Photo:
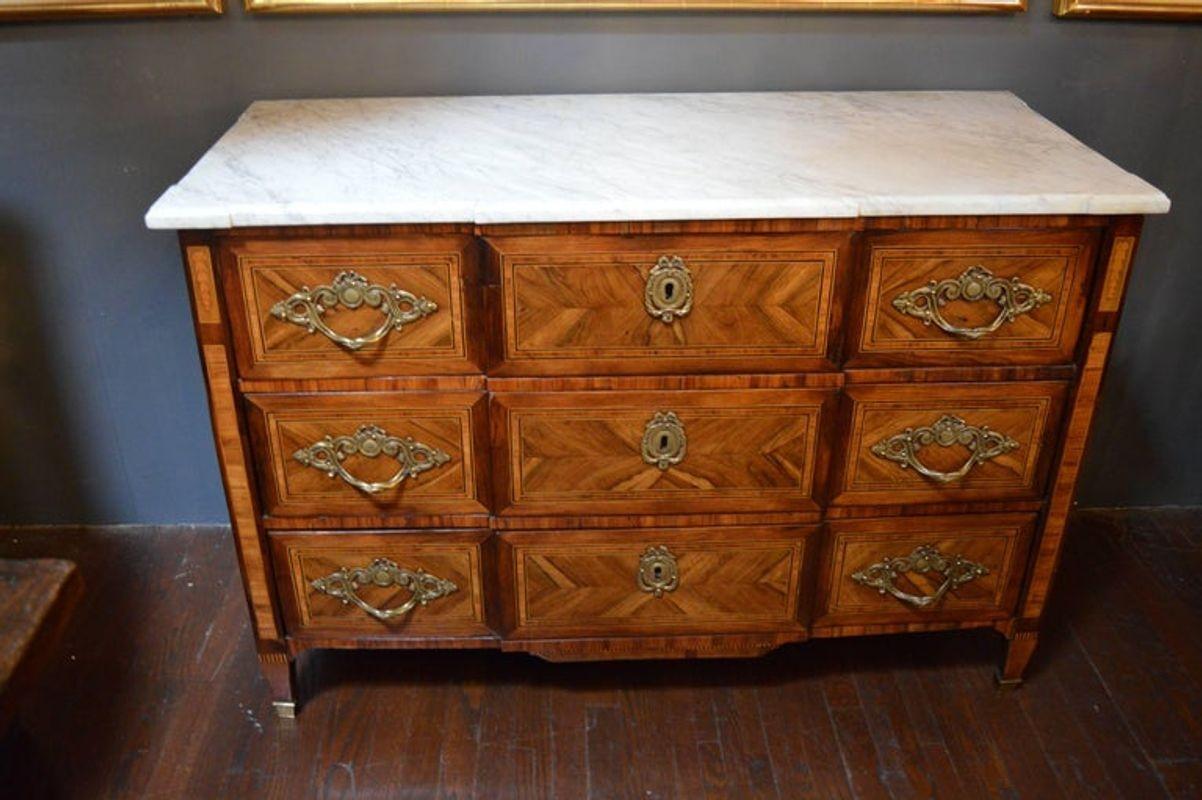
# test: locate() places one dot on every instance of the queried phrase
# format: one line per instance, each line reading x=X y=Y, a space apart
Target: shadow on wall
x=1120 y=414
x=38 y=469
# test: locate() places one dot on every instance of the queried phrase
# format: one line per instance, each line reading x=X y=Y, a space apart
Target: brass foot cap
x=1006 y=683
x=284 y=709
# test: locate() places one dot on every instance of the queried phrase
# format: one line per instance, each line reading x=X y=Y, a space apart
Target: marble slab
x=571 y=158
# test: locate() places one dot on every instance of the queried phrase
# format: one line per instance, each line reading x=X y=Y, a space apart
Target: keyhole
x=658 y=571
x=669 y=290
x=663 y=442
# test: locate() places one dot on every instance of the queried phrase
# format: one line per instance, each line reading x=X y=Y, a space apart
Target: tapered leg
x=280 y=672
x=1018 y=653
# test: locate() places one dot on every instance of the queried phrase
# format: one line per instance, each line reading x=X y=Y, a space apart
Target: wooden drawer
x=392 y=306
x=984 y=441
x=608 y=452
x=360 y=584
x=881 y=571
x=579 y=304
x=403 y=453
x=656 y=582
x=972 y=297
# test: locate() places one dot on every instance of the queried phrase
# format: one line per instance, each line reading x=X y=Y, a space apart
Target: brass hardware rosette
x=956 y=571
x=983 y=445
x=976 y=284
x=383 y=573
x=371 y=441
x=307 y=308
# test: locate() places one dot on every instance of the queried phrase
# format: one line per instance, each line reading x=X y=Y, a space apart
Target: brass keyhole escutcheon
x=664 y=440
x=669 y=292
x=658 y=572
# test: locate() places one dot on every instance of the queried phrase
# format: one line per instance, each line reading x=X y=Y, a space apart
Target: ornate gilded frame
x=1130 y=9
x=345 y=6
x=11 y=10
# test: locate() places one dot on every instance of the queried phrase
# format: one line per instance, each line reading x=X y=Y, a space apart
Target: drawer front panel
x=351 y=307
x=395 y=584
x=947 y=442
x=923 y=569
x=651 y=452
x=705 y=580
x=968 y=297
x=370 y=454
x=633 y=304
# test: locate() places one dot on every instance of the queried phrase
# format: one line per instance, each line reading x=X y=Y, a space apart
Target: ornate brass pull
x=1013 y=297
x=383 y=573
x=664 y=441
x=307 y=307
x=669 y=291
x=658 y=572
x=982 y=443
x=956 y=571
x=371 y=441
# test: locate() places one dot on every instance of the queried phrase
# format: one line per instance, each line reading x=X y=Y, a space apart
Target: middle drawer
x=622 y=452
x=370 y=453
x=946 y=442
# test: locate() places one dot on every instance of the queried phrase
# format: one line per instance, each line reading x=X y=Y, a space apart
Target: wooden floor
x=156 y=693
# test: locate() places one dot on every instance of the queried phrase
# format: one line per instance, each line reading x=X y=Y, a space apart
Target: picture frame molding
x=867 y=6
x=67 y=9
x=1129 y=9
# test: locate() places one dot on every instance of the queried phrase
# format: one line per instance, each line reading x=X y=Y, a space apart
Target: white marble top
x=572 y=158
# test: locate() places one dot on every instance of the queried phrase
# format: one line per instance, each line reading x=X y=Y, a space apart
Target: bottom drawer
x=395 y=584
x=656 y=582
x=923 y=569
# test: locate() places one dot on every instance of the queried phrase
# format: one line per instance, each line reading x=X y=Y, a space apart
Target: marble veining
x=569 y=158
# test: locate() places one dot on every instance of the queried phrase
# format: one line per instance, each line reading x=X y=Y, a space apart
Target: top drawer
x=639 y=304
x=972 y=297
x=334 y=308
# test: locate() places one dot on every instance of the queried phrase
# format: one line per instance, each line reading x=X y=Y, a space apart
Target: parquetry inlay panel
x=582 y=451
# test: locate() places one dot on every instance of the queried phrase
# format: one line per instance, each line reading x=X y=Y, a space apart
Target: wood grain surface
x=581 y=452
x=585 y=582
x=575 y=304
x=262 y=272
x=1057 y=263
x=37 y=597
x=541 y=369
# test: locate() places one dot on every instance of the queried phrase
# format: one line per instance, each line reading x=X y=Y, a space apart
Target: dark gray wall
x=102 y=415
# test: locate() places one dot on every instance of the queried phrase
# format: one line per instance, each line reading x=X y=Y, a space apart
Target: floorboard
x=154 y=692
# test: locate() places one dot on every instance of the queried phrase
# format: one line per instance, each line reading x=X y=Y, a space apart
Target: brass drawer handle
x=664 y=440
x=1014 y=298
x=371 y=441
x=956 y=571
x=307 y=307
x=658 y=572
x=423 y=586
x=669 y=292
x=982 y=443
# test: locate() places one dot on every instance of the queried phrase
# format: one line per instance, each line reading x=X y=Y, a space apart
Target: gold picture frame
x=350 y=6
x=15 y=10
x=1130 y=9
